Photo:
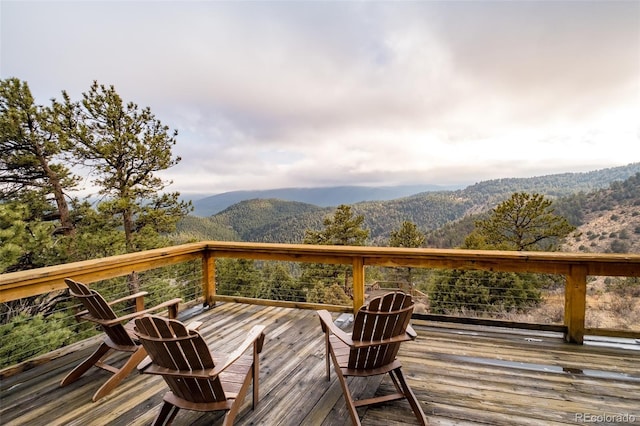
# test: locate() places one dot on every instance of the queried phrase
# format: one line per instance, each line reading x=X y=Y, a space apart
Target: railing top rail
x=373 y=251
x=33 y=282
x=625 y=264
x=38 y=281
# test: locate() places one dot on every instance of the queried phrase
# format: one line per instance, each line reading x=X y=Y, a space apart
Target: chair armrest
x=133 y=315
x=193 y=325
x=171 y=304
x=83 y=315
x=255 y=337
x=129 y=297
x=144 y=364
x=329 y=326
x=411 y=332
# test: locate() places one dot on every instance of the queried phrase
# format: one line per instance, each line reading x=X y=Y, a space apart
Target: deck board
x=462 y=375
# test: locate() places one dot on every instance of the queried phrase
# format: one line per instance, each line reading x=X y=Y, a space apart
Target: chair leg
x=85 y=365
x=348 y=399
x=231 y=414
x=255 y=377
x=166 y=415
x=411 y=397
x=327 y=355
x=127 y=368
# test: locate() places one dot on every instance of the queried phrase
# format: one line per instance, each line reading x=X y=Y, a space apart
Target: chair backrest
x=385 y=317
x=99 y=309
x=173 y=347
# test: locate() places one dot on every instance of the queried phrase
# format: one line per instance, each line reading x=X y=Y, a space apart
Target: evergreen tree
x=332 y=295
x=125 y=146
x=98 y=234
x=278 y=284
x=31 y=149
x=523 y=222
x=25 y=242
x=407 y=236
x=481 y=292
x=343 y=228
x=237 y=277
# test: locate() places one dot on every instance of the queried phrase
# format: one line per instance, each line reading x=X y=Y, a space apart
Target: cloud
x=269 y=94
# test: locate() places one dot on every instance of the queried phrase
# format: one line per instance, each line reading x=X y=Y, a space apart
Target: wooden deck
x=461 y=376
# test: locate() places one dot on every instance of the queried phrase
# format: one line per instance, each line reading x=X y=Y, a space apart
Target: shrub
x=333 y=295
x=628 y=287
x=480 y=291
x=27 y=336
x=618 y=246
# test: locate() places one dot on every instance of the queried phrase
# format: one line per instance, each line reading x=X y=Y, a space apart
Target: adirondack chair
x=197 y=382
x=119 y=334
x=371 y=349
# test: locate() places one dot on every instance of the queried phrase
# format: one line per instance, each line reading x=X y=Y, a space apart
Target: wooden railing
x=576 y=267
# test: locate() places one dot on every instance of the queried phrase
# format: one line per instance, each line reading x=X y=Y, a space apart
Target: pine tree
x=125 y=146
x=31 y=150
x=343 y=228
x=407 y=236
x=524 y=222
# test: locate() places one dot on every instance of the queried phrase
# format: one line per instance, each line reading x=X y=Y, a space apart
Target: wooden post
x=208 y=278
x=358 y=283
x=139 y=303
x=575 y=304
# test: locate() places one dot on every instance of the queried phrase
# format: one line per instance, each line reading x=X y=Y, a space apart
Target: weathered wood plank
x=461 y=375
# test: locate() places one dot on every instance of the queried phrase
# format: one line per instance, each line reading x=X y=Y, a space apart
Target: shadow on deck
x=461 y=375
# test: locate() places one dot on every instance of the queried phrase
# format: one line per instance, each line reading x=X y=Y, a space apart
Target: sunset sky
x=270 y=94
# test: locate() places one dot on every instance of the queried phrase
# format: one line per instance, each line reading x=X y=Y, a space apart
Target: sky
x=275 y=94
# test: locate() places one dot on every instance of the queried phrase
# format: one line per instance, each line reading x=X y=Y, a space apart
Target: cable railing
x=30 y=328
x=563 y=292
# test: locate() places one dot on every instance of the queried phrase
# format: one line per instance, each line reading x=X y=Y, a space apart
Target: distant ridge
x=446 y=216
x=321 y=197
x=484 y=193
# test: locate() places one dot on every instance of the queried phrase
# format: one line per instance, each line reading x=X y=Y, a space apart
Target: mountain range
x=323 y=197
x=446 y=216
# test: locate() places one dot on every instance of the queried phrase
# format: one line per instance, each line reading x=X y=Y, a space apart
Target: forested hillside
x=321 y=197
x=557 y=185
x=446 y=217
x=261 y=220
x=610 y=219
x=254 y=220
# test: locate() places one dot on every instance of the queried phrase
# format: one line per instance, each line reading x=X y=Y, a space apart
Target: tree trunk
x=133 y=284
x=66 y=226
x=127 y=223
x=133 y=281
